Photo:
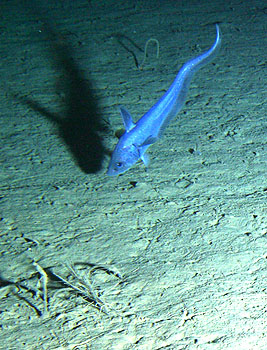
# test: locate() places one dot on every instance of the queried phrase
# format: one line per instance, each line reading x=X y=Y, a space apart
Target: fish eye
x=119 y=164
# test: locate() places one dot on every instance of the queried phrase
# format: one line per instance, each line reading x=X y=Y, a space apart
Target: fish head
x=123 y=157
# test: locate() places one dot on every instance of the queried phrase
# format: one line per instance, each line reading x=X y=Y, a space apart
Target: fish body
x=138 y=137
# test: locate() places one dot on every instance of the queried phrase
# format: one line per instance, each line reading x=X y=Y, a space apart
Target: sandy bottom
x=172 y=256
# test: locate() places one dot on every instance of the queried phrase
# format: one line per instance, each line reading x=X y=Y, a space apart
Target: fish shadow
x=80 y=125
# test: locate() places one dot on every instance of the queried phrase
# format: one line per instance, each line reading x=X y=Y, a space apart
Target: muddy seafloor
x=172 y=256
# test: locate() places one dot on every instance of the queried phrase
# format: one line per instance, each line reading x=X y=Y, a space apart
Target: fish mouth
x=111 y=172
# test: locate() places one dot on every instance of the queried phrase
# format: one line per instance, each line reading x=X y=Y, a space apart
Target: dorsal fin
x=127 y=119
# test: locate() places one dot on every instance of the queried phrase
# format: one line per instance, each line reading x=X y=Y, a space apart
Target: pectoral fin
x=143 y=156
x=148 y=141
x=145 y=159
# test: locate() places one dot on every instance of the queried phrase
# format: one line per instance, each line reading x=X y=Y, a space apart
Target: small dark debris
x=248 y=233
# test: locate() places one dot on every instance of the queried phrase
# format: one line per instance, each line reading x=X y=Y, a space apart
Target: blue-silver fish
x=138 y=137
